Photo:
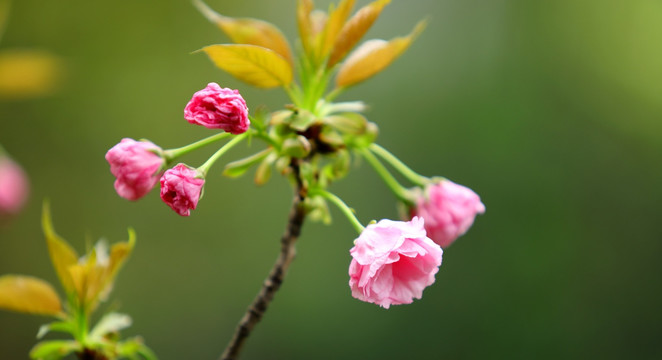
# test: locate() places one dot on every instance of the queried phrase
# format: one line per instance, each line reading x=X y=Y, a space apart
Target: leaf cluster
x=86 y=281
x=316 y=133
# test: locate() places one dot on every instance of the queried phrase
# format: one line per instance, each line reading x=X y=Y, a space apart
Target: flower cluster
x=312 y=141
x=138 y=165
x=393 y=261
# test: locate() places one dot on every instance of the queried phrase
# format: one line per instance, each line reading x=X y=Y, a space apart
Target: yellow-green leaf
x=335 y=23
x=372 y=57
x=304 y=8
x=62 y=254
x=253 y=64
x=354 y=30
x=119 y=253
x=29 y=295
x=54 y=349
x=249 y=31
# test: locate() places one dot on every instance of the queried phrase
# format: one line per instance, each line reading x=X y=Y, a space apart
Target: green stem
x=333 y=94
x=399 y=191
x=264 y=136
x=401 y=167
x=204 y=168
x=171 y=154
x=294 y=92
x=346 y=210
x=81 y=324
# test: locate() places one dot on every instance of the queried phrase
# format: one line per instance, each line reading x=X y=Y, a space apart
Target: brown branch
x=272 y=283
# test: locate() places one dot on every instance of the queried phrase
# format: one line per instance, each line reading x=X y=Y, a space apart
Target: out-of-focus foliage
x=86 y=281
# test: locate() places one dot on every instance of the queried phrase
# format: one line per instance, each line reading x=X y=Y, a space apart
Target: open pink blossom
x=215 y=107
x=136 y=165
x=181 y=187
x=392 y=262
x=449 y=210
x=14 y=186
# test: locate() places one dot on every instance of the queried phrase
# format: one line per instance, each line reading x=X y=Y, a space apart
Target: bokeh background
x=550 y=110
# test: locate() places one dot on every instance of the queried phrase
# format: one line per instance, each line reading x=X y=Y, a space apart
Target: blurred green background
x=550 y=110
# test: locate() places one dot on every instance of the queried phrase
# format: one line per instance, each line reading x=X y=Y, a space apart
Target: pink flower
x=218 y=108
x=449 y=210
x=136 y=165
x=180 y=188
x=393 y=261
x=14 y=186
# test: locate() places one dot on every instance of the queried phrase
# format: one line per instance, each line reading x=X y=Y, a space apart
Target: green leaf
x=29 y=295
x=249 y=31
x=282 y=165
x=365 y=139
x=302 y=120
x=239 y=167
x=62 y=254
x=110 y=323
x=54 y=349
x=331 y=137
x=297 y=147
x=133 y=347
x=372 y=57
x=263 y=172
x=318 y=210
x=351 y=123
x=281 y=117
x=255 y=65
x=58 y=326
x=341 y=163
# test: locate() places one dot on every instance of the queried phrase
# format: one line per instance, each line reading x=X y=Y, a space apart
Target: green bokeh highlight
x=550 y=110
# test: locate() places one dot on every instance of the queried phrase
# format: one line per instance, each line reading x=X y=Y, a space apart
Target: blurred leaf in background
x=26 y=73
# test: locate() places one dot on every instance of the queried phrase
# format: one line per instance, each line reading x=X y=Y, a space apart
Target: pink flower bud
x=14 y=186
x=393 y=261
x=181 y=187
x=218 y=108
x=136 y=165
x=449 y=210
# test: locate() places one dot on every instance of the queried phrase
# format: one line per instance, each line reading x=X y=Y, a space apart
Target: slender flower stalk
x=398 y=190
x=346 y=210
x=172 y=154
x=401 y=167
x=204 y=168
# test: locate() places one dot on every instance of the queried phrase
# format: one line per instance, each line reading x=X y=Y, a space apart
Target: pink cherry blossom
x=449 y=210
x=392 y=262
x=136 y=165
x=181 y=187
x=218 y=108
x=14 y=186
